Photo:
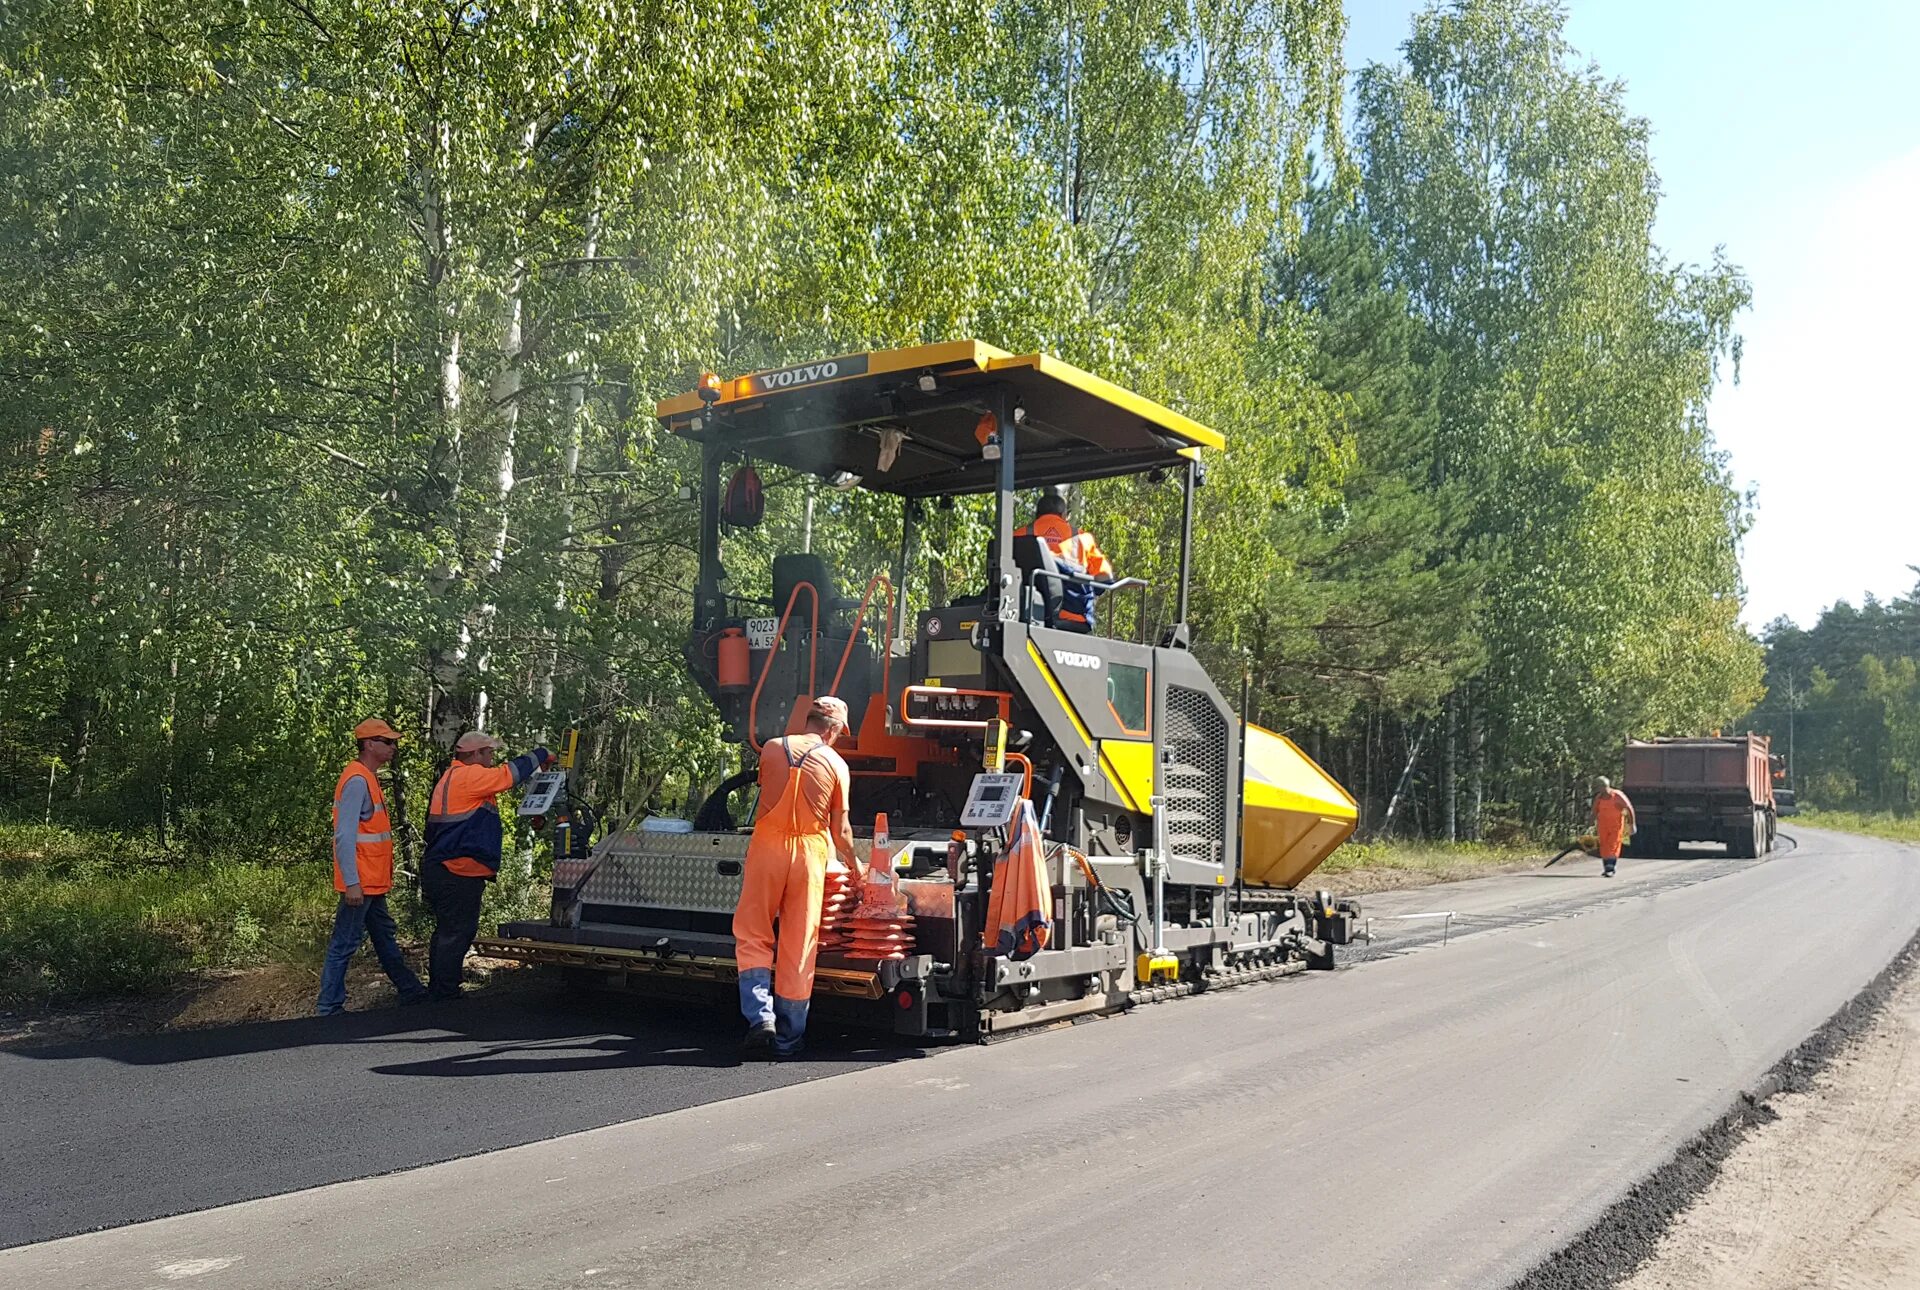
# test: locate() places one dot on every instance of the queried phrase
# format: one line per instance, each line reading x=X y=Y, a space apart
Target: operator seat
x=789 y=571
x=1042 y=571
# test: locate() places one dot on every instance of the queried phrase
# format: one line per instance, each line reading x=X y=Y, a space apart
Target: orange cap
x=375 y=728
x=474 y=741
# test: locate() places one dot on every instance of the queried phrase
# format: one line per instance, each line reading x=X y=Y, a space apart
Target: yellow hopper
x=1296 y=814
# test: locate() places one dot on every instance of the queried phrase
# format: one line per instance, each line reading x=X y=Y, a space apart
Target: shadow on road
x=523 y=1033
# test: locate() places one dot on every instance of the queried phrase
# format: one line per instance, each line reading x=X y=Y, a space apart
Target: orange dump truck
x=1708 y=789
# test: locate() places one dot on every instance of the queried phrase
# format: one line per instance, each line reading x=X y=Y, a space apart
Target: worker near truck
x=1613 y=820
x=464 y=837
x=363 y=872
x=804 y=786
x=1076 y=548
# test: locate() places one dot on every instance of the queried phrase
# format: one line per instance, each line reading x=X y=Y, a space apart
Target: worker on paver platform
x=363 y=873
x=802 y=820
x=463 y=849
x=1613 y=820
x=1075 y=548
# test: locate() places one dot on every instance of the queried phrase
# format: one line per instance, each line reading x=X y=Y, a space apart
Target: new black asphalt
x=119 y=1130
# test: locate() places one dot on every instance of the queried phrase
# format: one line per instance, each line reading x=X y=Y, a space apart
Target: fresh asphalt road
x=1439 y=1115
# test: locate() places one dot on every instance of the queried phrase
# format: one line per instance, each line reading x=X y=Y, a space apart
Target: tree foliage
x=335 y=328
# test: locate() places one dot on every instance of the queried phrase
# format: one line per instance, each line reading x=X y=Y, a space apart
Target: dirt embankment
x=1828 y=1193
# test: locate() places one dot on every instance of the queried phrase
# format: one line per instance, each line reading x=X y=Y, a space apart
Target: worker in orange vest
x=804 y=786
x=363 y=872
x=1075 y=548
x=464 y=836
x=1613 y=820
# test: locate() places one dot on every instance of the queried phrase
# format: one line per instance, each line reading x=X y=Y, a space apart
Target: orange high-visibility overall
x=803 y=785
x=1610 y=821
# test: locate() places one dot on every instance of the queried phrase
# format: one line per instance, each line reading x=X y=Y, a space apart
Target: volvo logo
x=810 y=373
x=1066 y=658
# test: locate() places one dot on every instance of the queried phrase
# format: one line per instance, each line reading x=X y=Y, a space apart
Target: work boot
x=1608 y=871
x=759 y=1041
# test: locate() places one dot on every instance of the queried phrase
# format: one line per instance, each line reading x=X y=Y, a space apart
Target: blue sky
x=1789 y=133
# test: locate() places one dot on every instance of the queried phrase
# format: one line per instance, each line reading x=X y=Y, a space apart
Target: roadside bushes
x=87 y=915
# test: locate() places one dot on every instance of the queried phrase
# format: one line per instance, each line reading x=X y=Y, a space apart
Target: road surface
x=1438 y=1115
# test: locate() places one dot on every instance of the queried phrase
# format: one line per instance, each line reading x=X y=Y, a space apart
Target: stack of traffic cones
x=837 y=900
x=878 y=936
x=880 y=928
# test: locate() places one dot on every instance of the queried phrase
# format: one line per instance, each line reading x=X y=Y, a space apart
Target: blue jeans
x=761 y=1007
x=351 y=925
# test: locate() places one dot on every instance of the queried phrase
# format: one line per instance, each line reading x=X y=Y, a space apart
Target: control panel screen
x=949 y=659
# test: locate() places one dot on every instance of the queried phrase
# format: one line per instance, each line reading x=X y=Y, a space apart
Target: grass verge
x=89 y=915
x=1896 y=828
x=1360 y=867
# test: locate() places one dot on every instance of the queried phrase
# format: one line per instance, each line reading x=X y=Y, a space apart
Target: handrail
x=1026 y=789
x=780 y=635
x=1119 y=584
x=859 y=625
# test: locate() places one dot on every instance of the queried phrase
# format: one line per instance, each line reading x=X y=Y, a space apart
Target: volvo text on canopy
x=1175 y=836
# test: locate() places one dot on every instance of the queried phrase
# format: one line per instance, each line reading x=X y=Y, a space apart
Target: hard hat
x=830 y=708
x=375 y=728
x=475 y=741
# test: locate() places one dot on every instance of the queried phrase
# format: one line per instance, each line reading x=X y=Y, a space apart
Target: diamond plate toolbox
x=697 y=871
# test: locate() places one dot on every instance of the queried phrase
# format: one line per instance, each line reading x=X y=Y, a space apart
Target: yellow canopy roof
x=834 y=415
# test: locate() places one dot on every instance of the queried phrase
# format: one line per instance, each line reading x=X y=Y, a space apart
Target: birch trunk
x=1476 y=765
x=575 y=422
x=1400 y=790
x=446 y=663
x=505 y=397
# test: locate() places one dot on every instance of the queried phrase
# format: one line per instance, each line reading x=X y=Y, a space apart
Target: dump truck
x=1707 y=789
x=1178 y=839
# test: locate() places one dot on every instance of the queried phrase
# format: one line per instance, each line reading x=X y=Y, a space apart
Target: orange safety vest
x=464 y=830
x=373 y=847
x=1077 y=546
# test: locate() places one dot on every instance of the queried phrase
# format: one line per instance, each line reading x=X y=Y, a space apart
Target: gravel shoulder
x=1825 y=1194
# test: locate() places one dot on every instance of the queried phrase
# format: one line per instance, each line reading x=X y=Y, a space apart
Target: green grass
x=1879 y=824
x=92 y=914
x=1427 y=857
x=89 y=914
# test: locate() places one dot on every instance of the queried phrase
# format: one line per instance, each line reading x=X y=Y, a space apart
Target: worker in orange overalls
x=1613 y=819
x=1075 y=548
x=363 y=873
x=802 y=820
x=464 y=837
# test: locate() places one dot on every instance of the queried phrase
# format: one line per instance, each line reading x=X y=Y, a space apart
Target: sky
x=1788 y=133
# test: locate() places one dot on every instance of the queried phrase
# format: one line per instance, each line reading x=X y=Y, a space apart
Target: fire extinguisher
x=733 y=661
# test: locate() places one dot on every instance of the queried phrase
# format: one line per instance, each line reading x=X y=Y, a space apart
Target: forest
x=333 y=331
x=1843 y=702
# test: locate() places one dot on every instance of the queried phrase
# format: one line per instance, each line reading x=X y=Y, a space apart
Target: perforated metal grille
x=1196 y=784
